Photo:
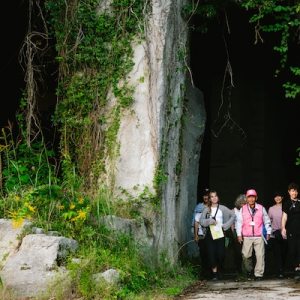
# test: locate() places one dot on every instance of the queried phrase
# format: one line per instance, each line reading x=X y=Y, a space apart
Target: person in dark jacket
x=291 y=226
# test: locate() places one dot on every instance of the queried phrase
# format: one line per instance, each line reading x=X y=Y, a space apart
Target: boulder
x=111 y=276
x=10 y=239
x=134 y=227
x=30 y=271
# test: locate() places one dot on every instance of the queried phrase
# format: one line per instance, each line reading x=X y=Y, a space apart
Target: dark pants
x=237 y=251
x=293 y=237
x=205 y=268
x=280 y=250
x=294 y=247
x=216 y=251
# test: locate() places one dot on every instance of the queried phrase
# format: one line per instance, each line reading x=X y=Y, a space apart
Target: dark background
x=257 y=146
x=13 y=24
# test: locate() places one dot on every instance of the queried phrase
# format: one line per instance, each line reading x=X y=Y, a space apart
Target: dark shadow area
x=13 y=24
x=12 y=13
x=252 y=130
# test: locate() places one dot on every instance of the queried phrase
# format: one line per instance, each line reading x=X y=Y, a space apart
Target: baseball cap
x=205 y=192
x=251 y=193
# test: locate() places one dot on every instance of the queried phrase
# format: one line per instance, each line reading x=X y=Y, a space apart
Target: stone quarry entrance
x=252 y=130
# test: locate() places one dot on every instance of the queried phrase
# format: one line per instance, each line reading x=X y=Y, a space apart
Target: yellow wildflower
x=72 y=206
x=31 y=208
x=13 y=214
x=81 y=200
x=73 y=219
x=26 y=204
x=61 y=207
x=17 y=198
x=17 y=223
x=82 y=215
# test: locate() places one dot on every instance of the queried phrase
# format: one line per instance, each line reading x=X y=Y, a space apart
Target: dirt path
x=268 y=289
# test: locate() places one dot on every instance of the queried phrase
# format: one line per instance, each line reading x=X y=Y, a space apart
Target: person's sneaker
x=280 y=275
x=215 y=277
x=297 y=274
x=258 y=278
x=249 y=275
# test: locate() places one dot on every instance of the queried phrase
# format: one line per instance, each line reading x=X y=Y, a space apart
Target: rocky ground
x=230 y=288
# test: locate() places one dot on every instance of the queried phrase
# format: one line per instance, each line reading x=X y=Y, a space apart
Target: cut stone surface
x=30 y=271
x=9 y=239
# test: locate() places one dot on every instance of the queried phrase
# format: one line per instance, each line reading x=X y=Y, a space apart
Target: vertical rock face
x=193 y=134
x=151 y=136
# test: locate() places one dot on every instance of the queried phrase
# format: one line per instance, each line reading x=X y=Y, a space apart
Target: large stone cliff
x=161 y=140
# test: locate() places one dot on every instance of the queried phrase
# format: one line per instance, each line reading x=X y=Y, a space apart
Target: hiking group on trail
x=248 y=229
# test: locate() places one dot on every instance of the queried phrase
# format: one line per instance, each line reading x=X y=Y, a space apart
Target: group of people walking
x=250 y=230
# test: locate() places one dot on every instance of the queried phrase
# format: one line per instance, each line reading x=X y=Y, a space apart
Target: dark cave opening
x=255 y=146
x=12 y=74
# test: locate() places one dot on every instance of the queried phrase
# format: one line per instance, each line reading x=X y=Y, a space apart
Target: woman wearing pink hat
x=251 y=220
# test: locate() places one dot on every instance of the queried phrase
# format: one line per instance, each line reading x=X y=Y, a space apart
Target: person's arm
x=239 y=225
x=283 y=223
x=267 y=223
x=270 y=214
x=231 y=219
x=206 y=222
x=232 y=226
x=196 y=232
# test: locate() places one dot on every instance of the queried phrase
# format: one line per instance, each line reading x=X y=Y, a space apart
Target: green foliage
x=207 y=9
x=94 y=49
x=122 y=253
x=276 y=16
x=291 y=89
x=298 y=159
x=281 y=18
x=26 y=166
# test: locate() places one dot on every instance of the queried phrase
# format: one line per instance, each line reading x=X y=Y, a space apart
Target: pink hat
x=251 y=193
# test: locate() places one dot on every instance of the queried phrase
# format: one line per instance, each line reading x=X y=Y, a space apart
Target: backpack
x=198 y=209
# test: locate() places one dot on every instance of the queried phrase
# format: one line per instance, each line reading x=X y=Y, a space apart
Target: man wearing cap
x=252 y=218
x=200 y=239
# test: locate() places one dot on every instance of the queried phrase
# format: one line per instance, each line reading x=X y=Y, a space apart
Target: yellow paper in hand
x=216 y=231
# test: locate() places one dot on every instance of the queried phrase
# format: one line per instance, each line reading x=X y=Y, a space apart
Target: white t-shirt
x=237 y=212
x=197 y=218
x=218 y=217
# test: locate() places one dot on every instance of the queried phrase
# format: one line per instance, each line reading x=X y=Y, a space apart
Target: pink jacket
x=249 y=230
